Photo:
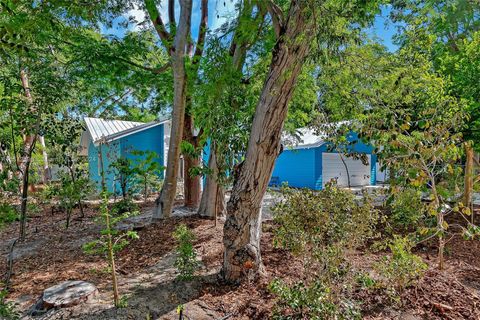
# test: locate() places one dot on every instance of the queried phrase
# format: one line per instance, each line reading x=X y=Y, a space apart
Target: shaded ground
x=52 y=254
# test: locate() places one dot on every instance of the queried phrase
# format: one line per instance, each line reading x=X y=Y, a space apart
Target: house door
x=333 y=168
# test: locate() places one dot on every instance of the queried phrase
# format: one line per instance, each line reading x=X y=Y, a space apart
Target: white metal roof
x=101 y=128
x=110 y=130
x=303 y=138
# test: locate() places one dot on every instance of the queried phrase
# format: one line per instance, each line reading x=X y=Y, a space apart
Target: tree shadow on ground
x=161 y=301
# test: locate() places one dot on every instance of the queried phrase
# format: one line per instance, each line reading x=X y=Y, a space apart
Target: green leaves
x=186 y=261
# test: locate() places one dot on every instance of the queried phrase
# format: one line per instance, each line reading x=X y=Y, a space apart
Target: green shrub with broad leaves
x=7 y=309
x=400 y=269
x=124 y=206
x=8 y=214
x=322 y=229
x=186 y=261
x=407 y=208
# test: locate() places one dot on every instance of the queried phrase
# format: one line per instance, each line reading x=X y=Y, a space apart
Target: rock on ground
x=65 y=294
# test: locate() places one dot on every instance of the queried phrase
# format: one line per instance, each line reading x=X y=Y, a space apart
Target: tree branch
x=157 y=21
x=153 y=70
x=277 y=16
x=202 y=31
x=171 y=16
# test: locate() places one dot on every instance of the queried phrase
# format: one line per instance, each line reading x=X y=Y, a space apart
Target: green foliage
x=365 y=281
x=310 y=301
x=120 y=239
x=7 y=309
x=407 y=209
x=186 y=261
x=147 y=170
x=402 y=268
x=8 y=214
x=322 y=228
x=124 y=206
x=124 y=173
x=314 y=220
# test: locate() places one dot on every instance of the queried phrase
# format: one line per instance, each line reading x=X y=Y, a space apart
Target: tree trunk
x=468 y=185
x=167 y=195
x=243 y=225
x=191 y=184
x=46 y=169
x=213 y=196
x=26 y=159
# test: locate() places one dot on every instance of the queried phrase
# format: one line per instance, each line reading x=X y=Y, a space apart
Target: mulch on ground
x=57 y=256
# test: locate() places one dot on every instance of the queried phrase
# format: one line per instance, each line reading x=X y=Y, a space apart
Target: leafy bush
x=321 y=228
x=124 y=173
x=186 y=261
x=147 y=171
x=309 y=221
x=72 y=188
x=407 y=208
x=7 y=309
x=8 y=214
x=310 y=301
x=402 y=268
x=123 y=206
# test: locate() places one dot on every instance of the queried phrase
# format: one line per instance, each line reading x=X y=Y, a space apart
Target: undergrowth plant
x=111 y=240
x=407 y=208
x=400 y=269
x=7 y=309
x=186 y=261
x=321 y=228
x=147 y=170
x=8 y=214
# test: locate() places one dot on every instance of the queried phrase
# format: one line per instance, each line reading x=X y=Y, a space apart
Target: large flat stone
x=68 y=293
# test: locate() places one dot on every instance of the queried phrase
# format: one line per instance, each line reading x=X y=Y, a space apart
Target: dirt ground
x=52 y=254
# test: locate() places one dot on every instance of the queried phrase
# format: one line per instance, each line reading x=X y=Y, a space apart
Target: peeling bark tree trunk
x=167 y=195
x=191 y=184
x=213 y=197
x=243 y=225
x=46 y=169
x=468 y=187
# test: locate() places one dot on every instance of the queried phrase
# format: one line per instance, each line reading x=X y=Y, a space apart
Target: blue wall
x=146 y=140
x=297 y=167
x=302 y=168
x=110 y=153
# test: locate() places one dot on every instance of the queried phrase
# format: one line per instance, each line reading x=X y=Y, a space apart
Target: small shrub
x=124 y=206
x=407 y=208
x=310 y=301
x=110 y=242
x=401 y=268
x=365 y=281
x=321 y=228
x=186 y=262
x=7 y=309
x=8 y=214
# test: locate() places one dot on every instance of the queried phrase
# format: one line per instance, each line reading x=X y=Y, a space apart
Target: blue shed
x=312 y=162
x=116 y=139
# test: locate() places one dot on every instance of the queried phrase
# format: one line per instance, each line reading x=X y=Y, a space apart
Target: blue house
x=116 y=139
x=310 y=162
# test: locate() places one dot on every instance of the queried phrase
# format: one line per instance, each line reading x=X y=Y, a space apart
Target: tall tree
x=297 y=24
x=454 y=27
x=178 y=51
